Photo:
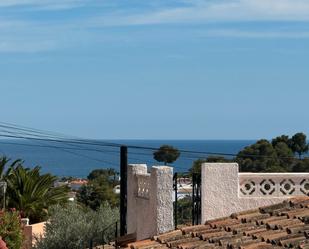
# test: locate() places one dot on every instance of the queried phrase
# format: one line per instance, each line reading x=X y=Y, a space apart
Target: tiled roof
x=284 y=225
x=79 y=181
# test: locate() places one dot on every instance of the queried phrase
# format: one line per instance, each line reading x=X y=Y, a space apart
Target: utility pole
x=123 y=189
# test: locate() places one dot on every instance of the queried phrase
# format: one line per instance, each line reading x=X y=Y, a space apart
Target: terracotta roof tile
x=144 y=244
x=257 y=230
x=269 y=219
x=175 y=243
x=291 y=240
x=169 y=236
x=299 y=201
x=284 y=225
x=201 y=232
x=272 y=208
x=196 y=228
x=191 y=245
x=223 y=223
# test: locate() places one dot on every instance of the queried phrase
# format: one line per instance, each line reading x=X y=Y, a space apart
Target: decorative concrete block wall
x=150 y=200
x=226 y=191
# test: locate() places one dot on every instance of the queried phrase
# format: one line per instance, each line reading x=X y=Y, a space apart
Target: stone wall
x=225 y=190
x=150 y=200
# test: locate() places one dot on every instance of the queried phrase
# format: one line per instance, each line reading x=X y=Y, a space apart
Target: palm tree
x=5 y=170
x=4 y=166
x=32 y=193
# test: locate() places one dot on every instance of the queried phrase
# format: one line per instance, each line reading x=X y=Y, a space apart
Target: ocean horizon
x=78 y=160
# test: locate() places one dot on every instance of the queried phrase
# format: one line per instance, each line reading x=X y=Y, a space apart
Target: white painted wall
x=150 y=200
x=221 y=195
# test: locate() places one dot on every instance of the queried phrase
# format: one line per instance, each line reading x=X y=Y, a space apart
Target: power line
x=56 y=137
x=108 y=144
x=91 y=158
x=68 y=150
x=60 y=141
x=58 y=147
x=86 y=149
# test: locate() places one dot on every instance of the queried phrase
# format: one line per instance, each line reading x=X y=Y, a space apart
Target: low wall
x=150 y=200
x=31 y=232
x=226 y=191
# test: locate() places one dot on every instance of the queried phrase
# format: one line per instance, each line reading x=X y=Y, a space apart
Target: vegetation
x=99 y=189
x=298 y=144
x=103 y=173
x=184 y=211
x=30 y=192
x=5 y=167
x=277 y=155
x=302 y=165
x=10 y=229
x=166 y=154
x=262 y=157
x=69 y=225
x=73 y=227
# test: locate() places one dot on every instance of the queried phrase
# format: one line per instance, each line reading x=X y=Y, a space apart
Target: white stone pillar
x=132 y=211
x=150 y=200
x=219 y=190
x=162 y=188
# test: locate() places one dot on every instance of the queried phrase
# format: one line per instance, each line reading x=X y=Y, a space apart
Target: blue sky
x=190 y=69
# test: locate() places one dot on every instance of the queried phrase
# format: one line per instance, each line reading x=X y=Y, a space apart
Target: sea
x=78 y=160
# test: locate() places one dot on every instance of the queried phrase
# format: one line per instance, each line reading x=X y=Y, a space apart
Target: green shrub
x=72 y=227
x=32 y=193
x=10 y=229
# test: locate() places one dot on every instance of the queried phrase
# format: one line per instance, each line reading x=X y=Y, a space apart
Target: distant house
x=61 y=183
x=116 y=189
x=72 y=196
x=183 y=190
x=114 y=178
x=75 y=185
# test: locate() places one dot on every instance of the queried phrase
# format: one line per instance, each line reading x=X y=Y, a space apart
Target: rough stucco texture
x=132 y=205
x=220 y=186
x=153 y=215
x=163 y=183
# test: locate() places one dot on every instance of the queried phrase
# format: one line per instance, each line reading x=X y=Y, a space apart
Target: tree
x=5 y=167
x=259 y=157
x=93 y=195
x=72 y=227
x=106 y=173
x=5 y=170
x=32 y=193
x=99 y=189
x=166 y=154
x=299 y=144
x=285 y=156
x=281 y=139
x=302 y=165
x=196 y=166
